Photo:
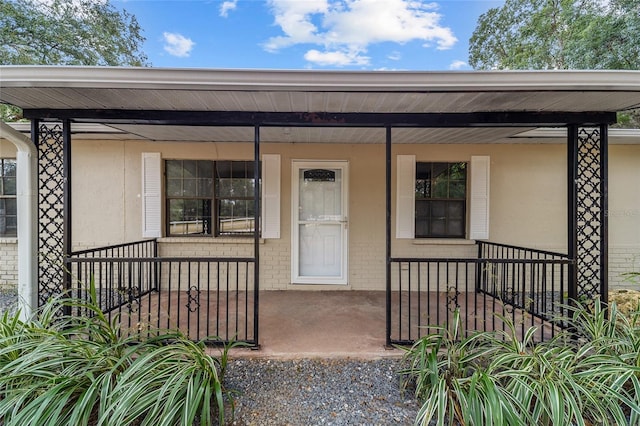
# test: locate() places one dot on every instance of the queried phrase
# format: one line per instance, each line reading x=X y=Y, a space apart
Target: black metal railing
x=206 y=298
x=504 y=285
x=118 y=272
x=529 y=279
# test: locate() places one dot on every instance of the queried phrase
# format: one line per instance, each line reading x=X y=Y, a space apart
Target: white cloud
x=227 y=6
x=336 y=58
x=458 y=65
x=294 y=17
x=177 y=44
x=348 y=26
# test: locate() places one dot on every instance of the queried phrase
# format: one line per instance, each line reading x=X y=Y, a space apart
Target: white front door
x=319 y=246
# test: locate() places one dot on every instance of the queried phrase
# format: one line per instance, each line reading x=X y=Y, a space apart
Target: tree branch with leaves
x=560 y=34
x=66 y=32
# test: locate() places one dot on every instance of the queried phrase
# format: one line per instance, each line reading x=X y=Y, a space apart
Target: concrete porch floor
x=321 y=324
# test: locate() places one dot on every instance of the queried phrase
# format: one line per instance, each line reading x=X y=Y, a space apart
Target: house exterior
x=358 y=181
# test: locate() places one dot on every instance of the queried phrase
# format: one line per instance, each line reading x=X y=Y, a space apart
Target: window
x=210 y=197
x=441 y=196
x=8 y=205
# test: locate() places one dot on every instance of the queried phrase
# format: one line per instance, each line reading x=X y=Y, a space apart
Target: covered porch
x=224 y=296
x=216 y=299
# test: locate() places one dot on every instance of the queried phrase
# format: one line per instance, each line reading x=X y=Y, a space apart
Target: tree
x=558 y=34
x=67 y=32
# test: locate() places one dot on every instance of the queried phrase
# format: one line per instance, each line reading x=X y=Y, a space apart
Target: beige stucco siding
x=527 y=194
x=7 y=149
x=624 y=214
x=100 y=193
x=527 y=202
x=118 y=165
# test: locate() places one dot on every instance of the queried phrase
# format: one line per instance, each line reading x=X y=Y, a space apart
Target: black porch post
x=604 y=213
x=572 y=217
x=388 y=232
x=256 y=231
x=67 y=241
x=35 y=138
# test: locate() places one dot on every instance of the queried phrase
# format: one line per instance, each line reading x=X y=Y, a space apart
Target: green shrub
x=63 y=370
x=610 y=331
x=498 y=378
x=449 y=373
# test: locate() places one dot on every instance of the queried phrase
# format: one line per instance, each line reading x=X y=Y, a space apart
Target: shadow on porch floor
x=326 y=324
x=322 y=324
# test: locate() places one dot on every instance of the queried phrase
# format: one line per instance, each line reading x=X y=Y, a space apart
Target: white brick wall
x=275 y=264
x=197 y=274
x=206 y=247
x=623 y=259
x=366 y=259
x=367 y=266
x=8 y=264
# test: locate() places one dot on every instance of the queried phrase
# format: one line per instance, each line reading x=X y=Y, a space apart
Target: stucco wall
x=528 y=202
x=7 y=149
x=527 y=194
x=119 y=165
x=624 y=214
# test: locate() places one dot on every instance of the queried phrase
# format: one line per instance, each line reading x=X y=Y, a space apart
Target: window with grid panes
x=441 y=197
x=209 y=197
x=8 y=202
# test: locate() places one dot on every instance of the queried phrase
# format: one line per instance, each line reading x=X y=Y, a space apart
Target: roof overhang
x=203 y=104
x=317 y=81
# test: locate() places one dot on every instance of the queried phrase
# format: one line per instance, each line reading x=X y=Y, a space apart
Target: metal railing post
x=256 y=234
x=572 y=210
x=388 y=234
x=604 y=214
x=66 y=216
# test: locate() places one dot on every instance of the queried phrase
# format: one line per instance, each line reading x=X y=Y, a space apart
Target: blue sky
x=308 y=34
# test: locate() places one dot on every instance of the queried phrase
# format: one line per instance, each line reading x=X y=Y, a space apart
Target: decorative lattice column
x=52 y=209
x=588 y=243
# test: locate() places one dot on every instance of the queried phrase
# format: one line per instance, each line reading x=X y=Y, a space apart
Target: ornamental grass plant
x=589 y=376
x=71 y=370
x=448 y=372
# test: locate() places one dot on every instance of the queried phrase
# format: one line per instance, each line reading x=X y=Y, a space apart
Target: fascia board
x=312 y=80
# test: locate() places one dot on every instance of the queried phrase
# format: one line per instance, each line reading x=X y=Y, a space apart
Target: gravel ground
x=8 y=300
x=319 y=392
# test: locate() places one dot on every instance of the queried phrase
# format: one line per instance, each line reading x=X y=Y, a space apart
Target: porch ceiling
x=94 y=92
x=492 y=135
x=322 y=135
